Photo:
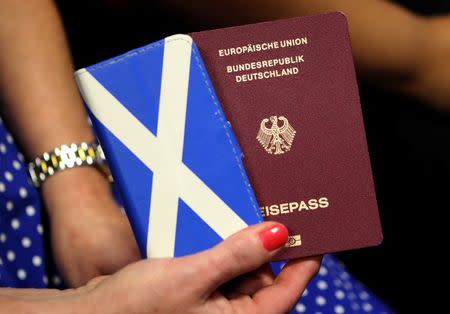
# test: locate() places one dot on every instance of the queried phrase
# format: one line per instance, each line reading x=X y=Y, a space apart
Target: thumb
x=241 y=253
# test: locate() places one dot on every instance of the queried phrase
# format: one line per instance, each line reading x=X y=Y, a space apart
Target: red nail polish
x=274 y=237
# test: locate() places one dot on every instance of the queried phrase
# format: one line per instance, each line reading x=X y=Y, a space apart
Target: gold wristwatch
x=67 y=157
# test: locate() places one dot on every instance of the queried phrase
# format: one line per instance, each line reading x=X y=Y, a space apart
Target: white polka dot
x=45 y=280
x=26 y=242
x=344 y=275
x=367 y=307
x=3 y=148
x=300 y=308
x=351 y=296
x=339 y=294
x=20 y=156
x=320 y=300
x=2 y=237
x=323 y=271
x=40 y=229
x=9 y=138
x=364 y=295
x=8 y=176
x=339 y=309
x=11 y=256
x=348 y=285
x=318 y=313
x=2 y=187
x=56 y=280
x=21 y=274
x=30 y=210
x=305 y=293
x=16 y=165
x=23 y=192
x=37 y=261
x=15 y=223
x=9 y=205
x=1 y=261
x=322 y=285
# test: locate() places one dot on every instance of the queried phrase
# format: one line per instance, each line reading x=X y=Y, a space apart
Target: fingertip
x=274 y=236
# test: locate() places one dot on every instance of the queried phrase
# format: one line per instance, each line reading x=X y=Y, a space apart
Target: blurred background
x=409 y=144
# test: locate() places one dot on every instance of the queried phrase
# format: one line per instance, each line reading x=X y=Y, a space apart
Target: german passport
x=175 y=118
x=289 y=90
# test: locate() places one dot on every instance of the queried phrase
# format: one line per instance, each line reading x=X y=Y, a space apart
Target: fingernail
x=274 y=237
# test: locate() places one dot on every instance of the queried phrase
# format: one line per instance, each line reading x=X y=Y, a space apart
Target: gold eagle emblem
x=276 y=139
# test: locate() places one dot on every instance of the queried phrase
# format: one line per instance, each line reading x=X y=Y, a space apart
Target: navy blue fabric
x=23 y=263
x=335 y=291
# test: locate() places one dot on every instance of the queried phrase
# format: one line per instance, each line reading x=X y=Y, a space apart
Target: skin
x=192 y=284
x=42 y=107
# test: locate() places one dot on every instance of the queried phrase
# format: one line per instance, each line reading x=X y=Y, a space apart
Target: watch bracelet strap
x=64 y=157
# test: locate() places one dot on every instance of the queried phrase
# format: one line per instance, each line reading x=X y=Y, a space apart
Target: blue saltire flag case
x=170 y=148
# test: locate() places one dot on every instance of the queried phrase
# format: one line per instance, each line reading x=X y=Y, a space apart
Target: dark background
x=409 y=145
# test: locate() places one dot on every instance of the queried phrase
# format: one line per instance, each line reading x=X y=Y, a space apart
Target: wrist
x=65 y=157
x=77 y=185
x=48 y=301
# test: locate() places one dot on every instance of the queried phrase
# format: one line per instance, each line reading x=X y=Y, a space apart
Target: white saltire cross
x=172 y=179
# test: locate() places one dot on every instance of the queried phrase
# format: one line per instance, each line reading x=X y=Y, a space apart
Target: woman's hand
x=90 y=235
x=195 y=284
x=218 y=280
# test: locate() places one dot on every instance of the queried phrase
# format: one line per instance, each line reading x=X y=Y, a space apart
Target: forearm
x=40 y=99
x=396 y=49
x=392 y=47
x=41 y=103
x=48 y=301
x=432 y=83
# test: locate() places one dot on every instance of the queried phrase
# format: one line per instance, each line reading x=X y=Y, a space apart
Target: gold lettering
x=284 y=208
x=323 y=202
x=312 y=203
x=293 y=206
x=274 y=210
x=263 y=211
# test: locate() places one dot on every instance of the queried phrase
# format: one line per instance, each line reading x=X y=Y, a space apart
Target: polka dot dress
x=335 y=291
x=23 y=263
x=22 y=258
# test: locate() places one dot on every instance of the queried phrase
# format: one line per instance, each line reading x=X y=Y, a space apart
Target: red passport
x=289 y=90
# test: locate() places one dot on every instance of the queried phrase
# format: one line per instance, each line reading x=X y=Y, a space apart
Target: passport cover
x=169 y=147
x=289 y=90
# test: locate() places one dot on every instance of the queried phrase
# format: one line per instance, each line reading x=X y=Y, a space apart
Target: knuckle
x=237 y=251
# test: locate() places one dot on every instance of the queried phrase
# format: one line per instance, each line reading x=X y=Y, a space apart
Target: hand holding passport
x=195 y=283
x=174 y=116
